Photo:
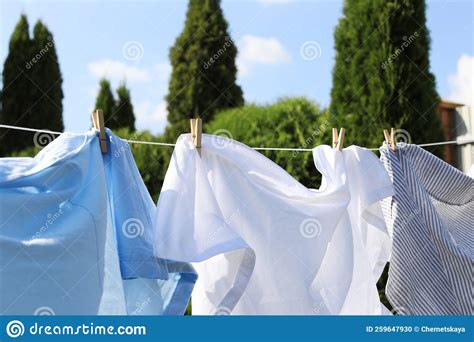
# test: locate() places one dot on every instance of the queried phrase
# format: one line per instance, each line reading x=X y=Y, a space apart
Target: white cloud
x=461 y=83
x=243 y=68
x=164 y=71
x=260 y=50
x=263 y=50
x=160 y=112
x=117 y=70
x=152 y=118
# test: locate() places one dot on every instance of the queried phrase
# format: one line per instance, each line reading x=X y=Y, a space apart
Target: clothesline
x=19 y=128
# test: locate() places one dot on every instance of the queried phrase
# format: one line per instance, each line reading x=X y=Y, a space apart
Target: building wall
x=464 y=128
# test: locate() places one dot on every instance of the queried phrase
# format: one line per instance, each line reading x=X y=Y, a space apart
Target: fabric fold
x=76 y=235
x=430 y=218
x=133 y=213
x=263 y=243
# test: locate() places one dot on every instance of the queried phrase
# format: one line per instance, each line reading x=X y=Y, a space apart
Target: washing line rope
x=255 y=148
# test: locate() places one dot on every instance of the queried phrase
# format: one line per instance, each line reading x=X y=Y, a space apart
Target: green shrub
x=27 y=152
x=290 y=122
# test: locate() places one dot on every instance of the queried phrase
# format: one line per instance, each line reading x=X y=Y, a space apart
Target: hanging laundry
x=265 y=244
x=431 y=219
x=76 y=235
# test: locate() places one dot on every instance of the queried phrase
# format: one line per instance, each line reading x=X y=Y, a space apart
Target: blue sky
x=97 y=38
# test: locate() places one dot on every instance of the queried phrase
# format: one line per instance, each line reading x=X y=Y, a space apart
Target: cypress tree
x=17 y=105
x=105 y=101
x=382 y=75
x=48 y=93
x=124 y=108
x=203 y=78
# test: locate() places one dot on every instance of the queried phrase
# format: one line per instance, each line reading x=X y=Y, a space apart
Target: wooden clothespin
x=334 y=137
x=390 y=138
x=338 y=139
x=387 y=137
x=196 y=133
x=98 y=121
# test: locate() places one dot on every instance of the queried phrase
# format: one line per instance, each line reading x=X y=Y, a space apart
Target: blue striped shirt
x=431 y=220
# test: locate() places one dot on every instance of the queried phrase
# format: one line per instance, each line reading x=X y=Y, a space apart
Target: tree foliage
x=17 y=93
x=46 y=75
x=293 y=122
x=382 y=75
x=203 y=79
x=32 y=86
x=124 y=109
x=118 y=114
x=105 y=101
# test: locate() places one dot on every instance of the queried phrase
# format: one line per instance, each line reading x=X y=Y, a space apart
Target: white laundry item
x=265 y=244
x=470 y=172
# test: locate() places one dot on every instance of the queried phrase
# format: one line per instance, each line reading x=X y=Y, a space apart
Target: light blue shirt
x=77 y=236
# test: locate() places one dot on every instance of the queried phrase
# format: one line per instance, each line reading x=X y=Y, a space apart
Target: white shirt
x=266 y=244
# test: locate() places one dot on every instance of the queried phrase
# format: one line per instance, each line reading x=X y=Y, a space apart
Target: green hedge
x=290 y=122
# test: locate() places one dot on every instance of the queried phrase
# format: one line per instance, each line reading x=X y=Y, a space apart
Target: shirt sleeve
x=190 y=224
x=132 y=210
x=370 y=184
x=164 y=285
